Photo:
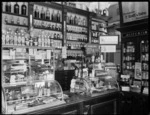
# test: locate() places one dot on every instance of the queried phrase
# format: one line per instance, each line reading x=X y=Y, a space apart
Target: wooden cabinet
x=133 y=103
x=102 y=105
x=107 y=108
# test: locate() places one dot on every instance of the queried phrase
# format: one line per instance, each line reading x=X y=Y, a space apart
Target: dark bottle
x=6 y=19
x=36 y=12
x=56 y=27
x=23 y=9
x=70 y=19
x=58 y=36
x=53 y=16
x=55 y=37
x=6 y=7
x=42 y=13
x=58 y=16
x=47 y=14
x=75 y=20
x=9 y=7
x=16 y=8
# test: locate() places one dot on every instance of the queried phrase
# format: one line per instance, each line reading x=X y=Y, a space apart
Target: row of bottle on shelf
x=145 y=46
x=76 y=56
x=47 y=25
x=46 y=14
x=80 y=38
x=128 y=65
x=74 y=46
x=94 y=40
x=15 y=20
x=80 y=30
x=16 y=8
x=97 y=34
x=76 y=20
x=129 y=58
x=129 y=49
x=21 y=38
x=98 y=26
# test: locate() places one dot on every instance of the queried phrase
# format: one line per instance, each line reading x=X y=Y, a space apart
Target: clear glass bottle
x=16 y=8
x=3 y=38
x=23 y=9
x=15 y=38
x=6 y=19
x=7 y=38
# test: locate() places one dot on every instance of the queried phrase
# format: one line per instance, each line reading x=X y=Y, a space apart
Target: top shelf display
x=16 y=8
x=76 y=20
x=47 y=14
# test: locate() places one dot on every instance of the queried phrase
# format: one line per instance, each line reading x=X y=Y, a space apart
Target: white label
x=108 y=39
x=108 y=48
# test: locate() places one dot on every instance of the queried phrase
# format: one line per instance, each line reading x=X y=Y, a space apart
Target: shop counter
x=103 y=102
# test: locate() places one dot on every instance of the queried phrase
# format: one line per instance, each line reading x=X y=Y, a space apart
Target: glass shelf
x=26 y=16
x=77 y=33
x=47 y=20
x=44 y=28
x=11 y=24
x=77 y=25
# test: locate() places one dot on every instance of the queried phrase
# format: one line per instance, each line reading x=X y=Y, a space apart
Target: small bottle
x=7 y=38
x=75 y=20
x=18 y=21
x=11 y=38
x=12 y=20
x=36 y=12
x=23 y=9
x=47 y=14
x=19 y=39
x=6 y=19
x=16 y=8
x=53 y=16
x=70 y=22
x=58 y=16
x=6 y=7
x=15 y=39
x=42 y=13
x=9 y=7
x=24 y=22
x=23 y=39
x=3 y=38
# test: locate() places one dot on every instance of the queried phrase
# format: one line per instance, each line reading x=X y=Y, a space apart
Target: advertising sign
x=108 y=48
x=133 y=11
x=108 y=39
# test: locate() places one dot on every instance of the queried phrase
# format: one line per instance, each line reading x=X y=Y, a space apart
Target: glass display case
x=103 y=82
x=25 y=98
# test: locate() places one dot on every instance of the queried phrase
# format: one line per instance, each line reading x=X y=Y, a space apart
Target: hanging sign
x=108 y=48
x=108 y=39
x=133 y=11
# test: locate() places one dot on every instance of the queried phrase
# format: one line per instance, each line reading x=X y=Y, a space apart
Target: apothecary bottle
x=23 y=9
x=47 y=14
x=16 y=8
x=42 y=13
x=53 y=16
x=58 y=16
x=36 y=12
